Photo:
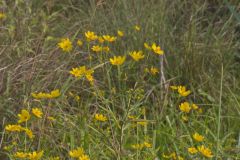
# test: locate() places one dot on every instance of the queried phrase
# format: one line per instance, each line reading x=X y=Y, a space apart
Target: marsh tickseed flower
x=100 y=117
x=2 y=16
x=54 y=158
x=35 y=155
x=194 y=106
x=24 y=116
x=83 y=71
x=79 y=43
x=137 y=28
x=84 y=157
x=192 y=150
x=53 y=94
x=157 y=49
x=91 y=36
x=76 y=153
x=29 y=133
x=147 y=145
x=185 y=107
x=100 y=39
x=205 y=151
x=14 y=128
x=183 y=91
x=117 y=60
x=147 y=46
x=154 y=70
x=51 y=118
x=109 y=38
x=21 y=155
x=174 y=87
x=37 y=112
x=96 y=48
x=120 y=33
x=198 y=137
x=136 y=55
x=65 y=44
x=185 y=118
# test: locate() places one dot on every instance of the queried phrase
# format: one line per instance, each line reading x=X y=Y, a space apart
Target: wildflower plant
x=113 y=95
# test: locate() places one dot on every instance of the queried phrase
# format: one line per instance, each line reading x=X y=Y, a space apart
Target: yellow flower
x=54 y=158
x=96 y=48
x=109 y=38
x=84 y=157
x=185 y=118
x=82 y=71
x=137 y=28
x=157 y=49
x=132 y=117
x=198 y=137
x=37 y=112
x=29 y=133
x=2 y=15
x=205 y=151
x=77 y=98
x=136 y=55
x=171 y=155
x=78 y=72
x=120 y=33
x=35 y=155
x=100 y=39
x=194 y=106
x=100 y=117
x=55 y=93
x=51 y=118
x=183 y=91
x=154 y=70
x=200 y=110
x=137 y=146
x=185 y=107
x=52 y=94
x=106 y=49
x=142 y=123
x=174 y=87
x=79 y=43
x=76 y=153
x=24 y=116
x=14 y=128
x=147 y=145
x=91 y=36
x=65 y=44
x=192 y=150
x=147 y=46
x=21 y=155
x=117 y=60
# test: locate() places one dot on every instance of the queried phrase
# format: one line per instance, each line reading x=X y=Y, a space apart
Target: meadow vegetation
x=119 y=79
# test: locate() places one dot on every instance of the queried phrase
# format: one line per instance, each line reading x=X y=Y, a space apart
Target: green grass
x=201 y=44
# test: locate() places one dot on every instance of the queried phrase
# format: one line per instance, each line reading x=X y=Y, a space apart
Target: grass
x=200 y=40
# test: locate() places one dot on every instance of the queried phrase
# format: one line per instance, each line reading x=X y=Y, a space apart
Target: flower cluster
x=24 y=116
x=205 y=151
x=142 y=145
x=51 y=95
x=29 y=155
x=181 y=90
x=98 y=48
x=82 y=71
x=156 y=49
